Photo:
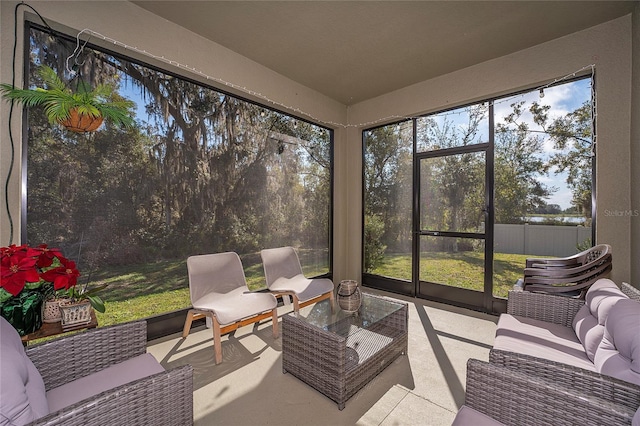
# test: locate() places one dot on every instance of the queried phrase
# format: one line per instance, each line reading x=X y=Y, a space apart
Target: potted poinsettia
x=28 y=276
x=79 y=110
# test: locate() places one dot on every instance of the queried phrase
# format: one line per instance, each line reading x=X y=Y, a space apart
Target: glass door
x=451 y=260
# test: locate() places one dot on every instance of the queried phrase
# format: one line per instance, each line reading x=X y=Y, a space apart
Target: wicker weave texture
x=515 y=398
x=336 y=365
x=162 y=399
x=574 y=379
x=544 y=307
x=631 y=292
x=69 y=358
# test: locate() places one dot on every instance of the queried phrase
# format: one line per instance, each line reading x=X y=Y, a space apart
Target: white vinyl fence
x=541 y=240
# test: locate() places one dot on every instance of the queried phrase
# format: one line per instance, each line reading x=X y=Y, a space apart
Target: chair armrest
x=555 y=263
x=631 y=292
x=543 y=307
x=575 y=379
x=161 y=399
x=69 y=358
x=509 y=396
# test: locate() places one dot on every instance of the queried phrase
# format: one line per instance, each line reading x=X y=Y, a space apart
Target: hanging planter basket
x=81 y=123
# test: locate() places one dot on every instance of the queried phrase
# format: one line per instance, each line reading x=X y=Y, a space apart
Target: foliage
x=518 y=165
x=205 y=172
x=90 y=294
x=59 y=100
x=35 y=268
x=373 y=247
x=572 y=137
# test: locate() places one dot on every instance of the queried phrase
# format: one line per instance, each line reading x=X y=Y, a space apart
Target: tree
x=572 y=137
x=518 y=164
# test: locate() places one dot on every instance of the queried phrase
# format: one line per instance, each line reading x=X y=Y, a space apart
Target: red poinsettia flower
x=45 y=259
x=64 y=276
x=17 y=268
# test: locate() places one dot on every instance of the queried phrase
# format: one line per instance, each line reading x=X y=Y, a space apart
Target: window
x=528 y=156
x=201 y=172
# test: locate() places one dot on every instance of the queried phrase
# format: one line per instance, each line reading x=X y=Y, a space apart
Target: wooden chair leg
x=187 y=324
x=274 y=320
x=217 y=340
x=296 y=303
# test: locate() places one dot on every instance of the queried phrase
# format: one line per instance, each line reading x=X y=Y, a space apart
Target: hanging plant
x=82 y=110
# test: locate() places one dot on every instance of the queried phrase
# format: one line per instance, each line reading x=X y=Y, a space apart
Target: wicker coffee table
x=338 y=353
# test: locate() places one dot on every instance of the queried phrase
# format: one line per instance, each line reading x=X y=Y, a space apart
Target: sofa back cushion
x=590 y=319
x=618 y=355
x=22 y=393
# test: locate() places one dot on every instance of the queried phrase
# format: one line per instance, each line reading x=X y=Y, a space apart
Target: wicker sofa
x=561 y=361
x=527 y=391
x=600 y=333
x=102 y=375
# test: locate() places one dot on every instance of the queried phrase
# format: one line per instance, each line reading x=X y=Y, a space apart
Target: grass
x=463 y=269
x=139 y=291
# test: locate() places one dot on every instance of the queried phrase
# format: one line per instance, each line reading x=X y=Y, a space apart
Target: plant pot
x=349 y=296
x=51 y=310
x=24 y=311
x=74 y=314
x=81 y=123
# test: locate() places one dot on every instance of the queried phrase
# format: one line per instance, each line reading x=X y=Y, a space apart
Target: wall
x=635 y=149
x=608 y=46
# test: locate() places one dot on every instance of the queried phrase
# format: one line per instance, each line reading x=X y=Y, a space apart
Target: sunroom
x=305 y=97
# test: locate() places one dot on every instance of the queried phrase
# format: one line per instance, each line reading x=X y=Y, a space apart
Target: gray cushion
x=589 y=321
x=118 y=374
x=618 y=354
x=304 y=288
x=468 y=416
x=541 y=339
x=22 y=392
x=588 y=330
x=236 y=304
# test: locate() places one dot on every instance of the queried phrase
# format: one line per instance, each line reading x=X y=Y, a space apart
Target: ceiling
x=351 y=51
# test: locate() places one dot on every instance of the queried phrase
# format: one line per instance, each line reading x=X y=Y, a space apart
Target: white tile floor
x=425 y=387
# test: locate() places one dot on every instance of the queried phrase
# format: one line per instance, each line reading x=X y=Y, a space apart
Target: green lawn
x=463 y=269
x=139 y=291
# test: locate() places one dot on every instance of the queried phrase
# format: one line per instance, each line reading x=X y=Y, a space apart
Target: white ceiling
x=356 y=50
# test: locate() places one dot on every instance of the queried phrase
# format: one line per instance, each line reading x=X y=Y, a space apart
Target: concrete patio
x=426 y=387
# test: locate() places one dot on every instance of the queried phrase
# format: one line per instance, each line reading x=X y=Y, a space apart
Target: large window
x=527 y=157
x=201 y=172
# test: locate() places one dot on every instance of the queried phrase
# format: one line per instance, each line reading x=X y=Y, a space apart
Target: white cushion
x=22 y=392
x=116 y=375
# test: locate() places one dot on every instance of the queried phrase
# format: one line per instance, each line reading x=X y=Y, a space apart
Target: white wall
x=608 y=46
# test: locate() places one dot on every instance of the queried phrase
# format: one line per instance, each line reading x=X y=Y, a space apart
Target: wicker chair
x=164 y=398
x=517 y=395
x=284 y=277
x=573 y=275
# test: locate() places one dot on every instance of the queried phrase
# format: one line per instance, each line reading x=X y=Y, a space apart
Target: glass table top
x=372 y=310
